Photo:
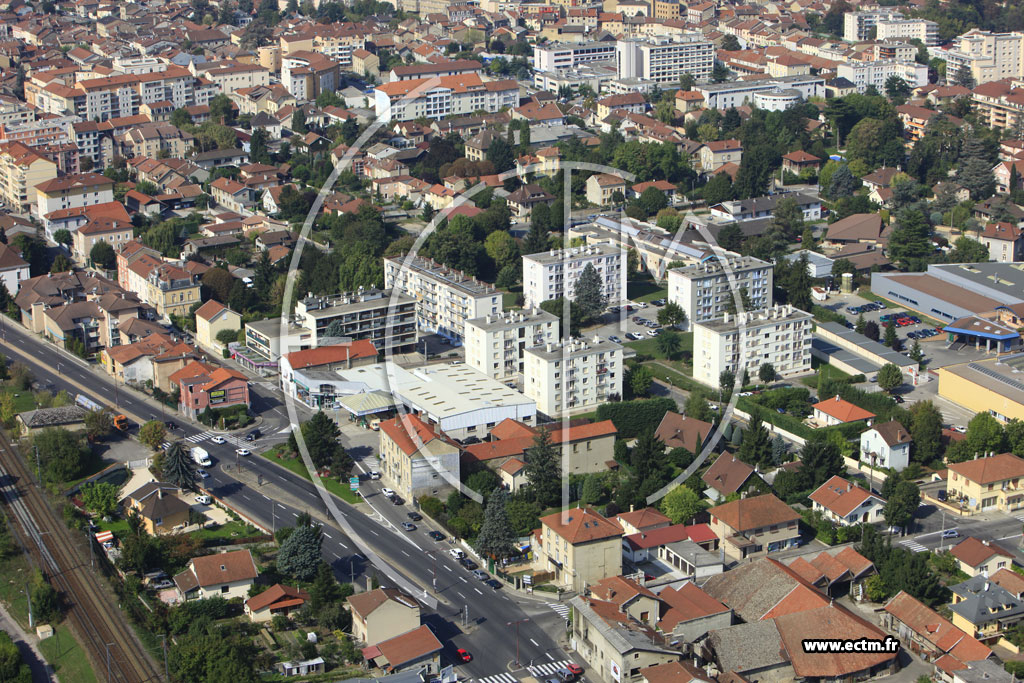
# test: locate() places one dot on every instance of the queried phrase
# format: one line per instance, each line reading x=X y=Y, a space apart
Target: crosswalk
x=233 y=440
x=561 y=608
x=913 y=546
x=538 y=671
x=547 y=669
x=1019 y=516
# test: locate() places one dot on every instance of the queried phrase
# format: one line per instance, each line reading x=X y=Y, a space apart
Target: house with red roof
x=276 y=600
x=754 y=526
x=837 y=411
x=212 y=318
x=204 y=386
x=845 y=504
x=578 y=546
x=933 y=637
x=833 y=571
x=417 y=459
x=976 y=556
x=295 y=368
x=415 y=650
x=590 y=447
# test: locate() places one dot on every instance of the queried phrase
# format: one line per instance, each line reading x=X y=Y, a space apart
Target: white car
x=456 y=553
x=652 y=333
x=242 y=451
x=745 y=393
x=960 y=428
x=387 y=492
x=203 y=474
x=218 y=439
x=374 y=474
x=639 y=304
x=203 y=499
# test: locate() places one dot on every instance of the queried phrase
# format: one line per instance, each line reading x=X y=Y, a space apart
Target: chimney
x=632 y=507
x=837 y=398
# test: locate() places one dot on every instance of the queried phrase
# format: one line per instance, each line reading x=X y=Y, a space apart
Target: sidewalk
x=41 y=671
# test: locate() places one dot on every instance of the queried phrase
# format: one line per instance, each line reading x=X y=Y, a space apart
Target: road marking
x=405 y=553
x=446 y=567
x=336 y=556
x=295 y=514
x=534 y=642
x=548 y=655
x=265 y=496
x=326 y=535
x=460 y=595
x=463 y=579
x=477 y=590
x=1005 y=538
x=343 y=545
x=374 y=532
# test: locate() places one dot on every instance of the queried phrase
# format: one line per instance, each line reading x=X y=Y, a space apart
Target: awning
x=105 y=536
x=367 y=403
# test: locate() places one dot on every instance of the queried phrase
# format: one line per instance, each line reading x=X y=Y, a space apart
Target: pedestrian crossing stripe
x=914 y=546
x=561 y=608
x=548 y=668
x=233 y=440
x=499 y=678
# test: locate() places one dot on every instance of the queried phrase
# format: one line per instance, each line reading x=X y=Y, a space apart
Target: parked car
x=203 y=499
x=614 y=339
x=242 y=452
x=456 y=553
x=464 y=655
x=436 y=535
x=941 y=494
x=414 y=516
x=633 y=336
x=397 y=500
x=493 y=583
x=203 y=474
x=652 y=333
x=480 y=574
x=960 y=428
x=387 y=492
x=163 y=584
x=374 y=474
x=408 y=526
x=468 y=563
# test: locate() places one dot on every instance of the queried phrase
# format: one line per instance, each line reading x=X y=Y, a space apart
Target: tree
x=100 y=497
x=590 y=295
x=299 y=556
x=61 y=264
x=860 y=325
x=902 y=504
x=669 y=344
x=500 y=154
x=756 y=448
x=500 y=246
x=681 y=504
x=871 y=330
x=967 y=250
x=925 y=431
x=897 y=89
x=891 y=340
x=219 y=282
x=299 y=122
x=697 y=407
x=63 y=236
x=779 y=450
x=719 y=189
x=179 y=468
x=974 y=170
x=325 y=589
x=964 y=77
x=259 y=153
x=820 y=461
x=98 y=424
x=543 y=470
x=13 y=669
x=322 y=435
x=798 y=284
x=653 y=200
x=726 y=382
x=889 y=376
x=766 y=373
x=640 y=379
x=222 y=109
x=985 y=434
x=102 y=255
x=842 y=184
x=497 y=538
x=537 y=239
x=64 y=457
x=152 y=434
x=671 y=314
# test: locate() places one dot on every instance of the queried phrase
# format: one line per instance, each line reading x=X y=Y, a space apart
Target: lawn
x=232 y=529
x=23 y=400
x=824 y=371
x=676 y=379
x=69 y=660
x=649 y=347
x=645 y=290
x=296 y=465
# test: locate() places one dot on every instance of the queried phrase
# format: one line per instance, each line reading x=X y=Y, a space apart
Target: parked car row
x=867 y=308
x=924 y=334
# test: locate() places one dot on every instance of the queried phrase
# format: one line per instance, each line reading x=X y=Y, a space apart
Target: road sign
x=353 y=483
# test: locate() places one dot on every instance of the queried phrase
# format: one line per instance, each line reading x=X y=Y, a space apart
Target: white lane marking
x=446 y=567
x=463 y=580
x=336 y=556
x=265 y=496
x=534 y=642
x=343 y=545
x=405 y=553
x=548 y=655
x=326 y=535
x=374 y=532
x=477 y=590
x=460 y=595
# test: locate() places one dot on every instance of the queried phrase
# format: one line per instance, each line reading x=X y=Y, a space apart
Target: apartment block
x=437 y=98
x=496 y=344
x=572 y=376
x=553 y=274
x=307 y=74
x=908 y=29
x=49 y=131
x=560 y=56
x=722 y=96
x=72 y=192
x=988 y=56
x=865 y=74
x=114 y=96
x=704 y=290
x=859 y=26
x=385 y=318
x=780 y=335
x=445 y=298
x=666 y=59
x=21 y=169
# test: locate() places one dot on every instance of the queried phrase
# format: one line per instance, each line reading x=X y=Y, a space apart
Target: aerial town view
x=511 y=341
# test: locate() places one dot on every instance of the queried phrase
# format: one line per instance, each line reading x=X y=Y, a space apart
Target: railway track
x=99 y=624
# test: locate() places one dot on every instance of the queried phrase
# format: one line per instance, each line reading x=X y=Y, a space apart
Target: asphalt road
x=487 y=634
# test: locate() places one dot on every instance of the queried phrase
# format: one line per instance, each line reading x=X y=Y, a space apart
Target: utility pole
x=108 y=661
x=28 y=596
x=39 y=471
x=516 y=624
x=92 y=553
x=167 y=676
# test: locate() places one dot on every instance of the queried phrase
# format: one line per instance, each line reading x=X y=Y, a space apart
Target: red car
x=575 y=669
x=464 y=655
x=903 y=322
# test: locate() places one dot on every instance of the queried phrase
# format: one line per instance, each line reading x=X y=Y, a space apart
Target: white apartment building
x=737 y=93
x=858 y=25
x=666 y=59
x=572 y=376
x=496 y=344
x=780 y=335
x=704 y=292
x=909 y=29
x=989 y=56
x=865 y=74
x=445 y=298
x=438 y=98
x=552 y=274
x=559 y=56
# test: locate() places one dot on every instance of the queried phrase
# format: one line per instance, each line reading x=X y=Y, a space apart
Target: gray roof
x=576 y=347
x=983 y=671
x=623 y=638
x=52 y=417
x=766 y=84
x=827 y=348
x=983 y=601
x=694 y=555
x=751 y=590
x=860 y=341
x=746 y=647
x=1003 y=282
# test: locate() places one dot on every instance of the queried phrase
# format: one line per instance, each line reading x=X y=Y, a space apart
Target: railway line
x=99 y=624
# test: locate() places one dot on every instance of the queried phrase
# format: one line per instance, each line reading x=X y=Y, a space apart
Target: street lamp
x=516 y=624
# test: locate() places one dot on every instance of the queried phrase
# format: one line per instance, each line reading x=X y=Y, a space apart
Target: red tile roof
x=581 y=525
x=279 y=596
x=753 y=513
x=408 y=432
x=409 y=646
x=974 y=552
x=842 y=410
x=840 y=496
x=324 y=355
x=990 y=470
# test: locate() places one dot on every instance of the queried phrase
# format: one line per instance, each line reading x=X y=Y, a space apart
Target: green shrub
x=632 y=418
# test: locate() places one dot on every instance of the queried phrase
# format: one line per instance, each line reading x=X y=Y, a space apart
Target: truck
x=201 y=457
x=121 y=422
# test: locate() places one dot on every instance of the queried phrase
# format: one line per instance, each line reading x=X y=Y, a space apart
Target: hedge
x=633 y=418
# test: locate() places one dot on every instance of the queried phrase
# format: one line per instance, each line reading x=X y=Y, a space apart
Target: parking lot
x=631 y=321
